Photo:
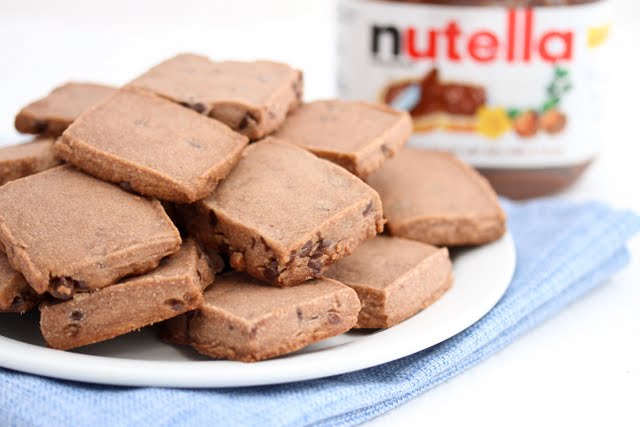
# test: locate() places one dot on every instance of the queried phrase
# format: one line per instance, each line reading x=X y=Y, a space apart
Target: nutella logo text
x=519 y=42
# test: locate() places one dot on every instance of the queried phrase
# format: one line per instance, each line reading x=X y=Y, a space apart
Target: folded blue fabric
x=564 y=250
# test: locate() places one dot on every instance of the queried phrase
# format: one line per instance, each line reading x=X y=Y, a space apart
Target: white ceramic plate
x=482 y=275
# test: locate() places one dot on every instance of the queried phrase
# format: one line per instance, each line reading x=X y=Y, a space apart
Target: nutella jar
x=514 y=87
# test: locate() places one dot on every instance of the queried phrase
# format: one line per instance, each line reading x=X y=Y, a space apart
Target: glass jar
x=516 y=88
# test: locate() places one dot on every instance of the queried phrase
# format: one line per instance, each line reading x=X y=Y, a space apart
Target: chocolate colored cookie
x=18 y=161
x=242 y=319
x=66 y=231
x=16 y=295
x=252 y=98
x=284 y=215
x=435 y=198
x=358 y=136
x=52 y=114
x=173 y=288
x=151 y=146
x=394 y=278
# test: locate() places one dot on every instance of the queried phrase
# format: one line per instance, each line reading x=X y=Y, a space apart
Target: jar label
x=500 y=87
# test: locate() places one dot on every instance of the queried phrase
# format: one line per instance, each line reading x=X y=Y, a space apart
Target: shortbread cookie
x=358 y=136
x=284 y=215
x=52 y=114
x=242 y=319
x=66 y=231
x=173 y=288
x=16 y=295
x=18 y=161
x=394 y=278
x=435 y=198
x=252 y=98
x=151 y=146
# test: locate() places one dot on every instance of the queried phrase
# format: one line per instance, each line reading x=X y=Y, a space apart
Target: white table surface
x=580 y=368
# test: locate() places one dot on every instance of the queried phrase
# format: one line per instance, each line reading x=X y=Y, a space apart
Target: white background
x=580 y=368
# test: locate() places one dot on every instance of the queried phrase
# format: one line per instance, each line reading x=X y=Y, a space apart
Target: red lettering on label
x=511 y=35
x=452 y=32
x=412 y=50
x=517 y=42
x=528 y=34
x=483 y=46
x=564 y=42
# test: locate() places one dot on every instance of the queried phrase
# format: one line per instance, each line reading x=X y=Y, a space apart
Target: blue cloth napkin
x=564 y=250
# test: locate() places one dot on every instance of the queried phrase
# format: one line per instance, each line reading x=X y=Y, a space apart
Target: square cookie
x=358 y=136
x=435 y=198
x=394 y=278
x=66 y=231
x=252 y=98
x=16 y=296
x=284 y=215
x=18 y=161
x=242 y=319
x=52 y=114
x=151 y=146
x=173 y=288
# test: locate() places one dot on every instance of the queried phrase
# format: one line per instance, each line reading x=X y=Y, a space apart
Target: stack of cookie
x=200 y=168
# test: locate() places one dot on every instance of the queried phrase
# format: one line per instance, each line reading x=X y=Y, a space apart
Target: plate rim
x=34 y=359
